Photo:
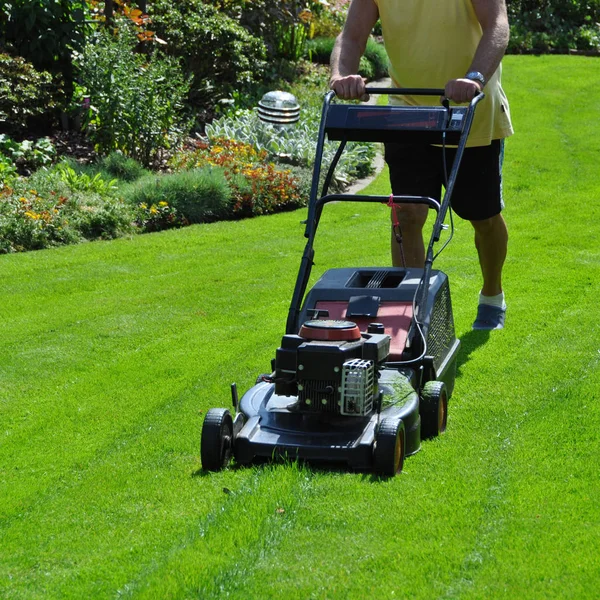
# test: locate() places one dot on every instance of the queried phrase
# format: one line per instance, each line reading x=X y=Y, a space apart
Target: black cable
x=445 y=166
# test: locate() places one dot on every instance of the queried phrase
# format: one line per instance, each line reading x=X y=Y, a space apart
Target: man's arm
x=493 y=19
x=349 y=47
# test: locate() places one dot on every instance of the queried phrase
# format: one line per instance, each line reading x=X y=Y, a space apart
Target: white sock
x=497 y=300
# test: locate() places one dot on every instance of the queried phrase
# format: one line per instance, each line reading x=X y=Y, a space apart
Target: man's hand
x=351 y=87
x=462 y=90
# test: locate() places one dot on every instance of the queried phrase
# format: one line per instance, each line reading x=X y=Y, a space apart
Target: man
x=457 y=45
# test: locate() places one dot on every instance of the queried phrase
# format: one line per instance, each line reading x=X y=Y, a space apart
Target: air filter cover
x=330 y=330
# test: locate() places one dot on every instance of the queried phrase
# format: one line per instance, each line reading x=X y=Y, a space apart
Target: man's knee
x=412 y=216
x=487 y=226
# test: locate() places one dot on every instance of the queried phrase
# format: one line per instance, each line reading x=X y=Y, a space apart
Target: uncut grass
x=111 y=350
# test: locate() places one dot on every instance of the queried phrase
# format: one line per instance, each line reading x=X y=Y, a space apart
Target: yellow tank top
x=430 y=42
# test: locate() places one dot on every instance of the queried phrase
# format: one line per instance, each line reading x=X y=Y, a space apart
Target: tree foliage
x=219 y=53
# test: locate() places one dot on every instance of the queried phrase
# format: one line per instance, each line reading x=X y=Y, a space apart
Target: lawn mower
x=367 y=363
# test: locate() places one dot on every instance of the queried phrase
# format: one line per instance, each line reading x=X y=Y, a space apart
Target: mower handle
x=407 y=91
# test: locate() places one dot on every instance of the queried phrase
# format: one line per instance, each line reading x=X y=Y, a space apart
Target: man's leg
x=412 y=218
x=491 y=241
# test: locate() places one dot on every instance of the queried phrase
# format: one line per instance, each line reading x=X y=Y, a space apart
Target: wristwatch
x=476 y=76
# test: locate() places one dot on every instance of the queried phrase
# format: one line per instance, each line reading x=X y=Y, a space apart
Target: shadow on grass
x=472 y=340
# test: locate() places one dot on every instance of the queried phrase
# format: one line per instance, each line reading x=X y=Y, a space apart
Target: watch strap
x=476 y=76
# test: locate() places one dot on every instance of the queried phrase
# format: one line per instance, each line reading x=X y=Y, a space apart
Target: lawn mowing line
x=488 y=536
x=489 y=529
x=70 y=479
x=273 y=496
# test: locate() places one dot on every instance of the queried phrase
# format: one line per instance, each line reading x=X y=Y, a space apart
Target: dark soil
x=74 y=145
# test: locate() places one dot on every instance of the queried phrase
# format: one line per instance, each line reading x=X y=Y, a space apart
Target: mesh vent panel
x=440 y=335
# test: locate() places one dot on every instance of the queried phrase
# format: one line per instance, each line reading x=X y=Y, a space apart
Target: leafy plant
x=8 y=171
x=136 y=102
x=27 y=155
x=331 y=20
x=85 y=183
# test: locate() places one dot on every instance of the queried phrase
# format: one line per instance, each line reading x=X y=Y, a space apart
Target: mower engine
x=332 y=367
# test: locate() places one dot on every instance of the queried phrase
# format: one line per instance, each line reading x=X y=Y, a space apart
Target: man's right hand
x=350 y=87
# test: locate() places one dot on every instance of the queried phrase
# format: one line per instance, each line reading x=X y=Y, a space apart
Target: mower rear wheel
x=216 y=444
x=388 y=457
x=434 y=409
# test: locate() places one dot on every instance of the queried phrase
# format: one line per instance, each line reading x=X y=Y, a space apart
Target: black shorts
x=418 y=170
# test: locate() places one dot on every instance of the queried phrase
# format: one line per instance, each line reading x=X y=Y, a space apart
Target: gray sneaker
x=489 y=317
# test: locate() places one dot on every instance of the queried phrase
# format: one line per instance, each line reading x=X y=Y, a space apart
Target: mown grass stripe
x=225 y=547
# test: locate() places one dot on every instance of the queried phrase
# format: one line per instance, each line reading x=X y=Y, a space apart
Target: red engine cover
x=330 y=330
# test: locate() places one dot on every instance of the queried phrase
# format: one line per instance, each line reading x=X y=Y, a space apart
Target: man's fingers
x=349 y=88
x=462 y=90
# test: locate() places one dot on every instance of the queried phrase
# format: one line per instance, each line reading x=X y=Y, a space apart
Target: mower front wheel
x=434 y=409
x=216 y=444
x=388 y=458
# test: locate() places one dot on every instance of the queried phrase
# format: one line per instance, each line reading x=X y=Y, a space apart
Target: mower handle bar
x=406 y=91
x=429 y=202
x=315 y=204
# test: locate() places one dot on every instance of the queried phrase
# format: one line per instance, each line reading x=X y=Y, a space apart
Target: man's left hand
x=462 y=90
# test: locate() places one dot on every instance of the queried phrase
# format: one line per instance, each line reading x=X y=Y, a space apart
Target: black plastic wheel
x=388 y=458
x=433 y=409
x=217 y=439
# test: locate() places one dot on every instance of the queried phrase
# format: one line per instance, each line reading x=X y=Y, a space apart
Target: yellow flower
x=163 y=203
x=143 y=205
x=153 y=210
x=32 y=215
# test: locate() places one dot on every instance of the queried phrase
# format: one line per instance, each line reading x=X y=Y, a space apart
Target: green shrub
x=221 y=55
x=199 y=195
x=553 y=25
x=366 y=69
x=373 y=64
x=319 y=49
x=136 y=100
x=283 y=25
x=331 y=21
x=377 y=56
x=97 y=217
x=44 y=32
x=122 y=167
x=25 y=93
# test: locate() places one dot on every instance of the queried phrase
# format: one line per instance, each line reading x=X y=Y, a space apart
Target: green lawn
x=110 y=353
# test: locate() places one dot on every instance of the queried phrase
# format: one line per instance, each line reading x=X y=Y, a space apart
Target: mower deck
x=274 y=429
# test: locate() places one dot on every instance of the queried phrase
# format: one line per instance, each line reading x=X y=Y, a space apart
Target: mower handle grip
x=406 y=91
